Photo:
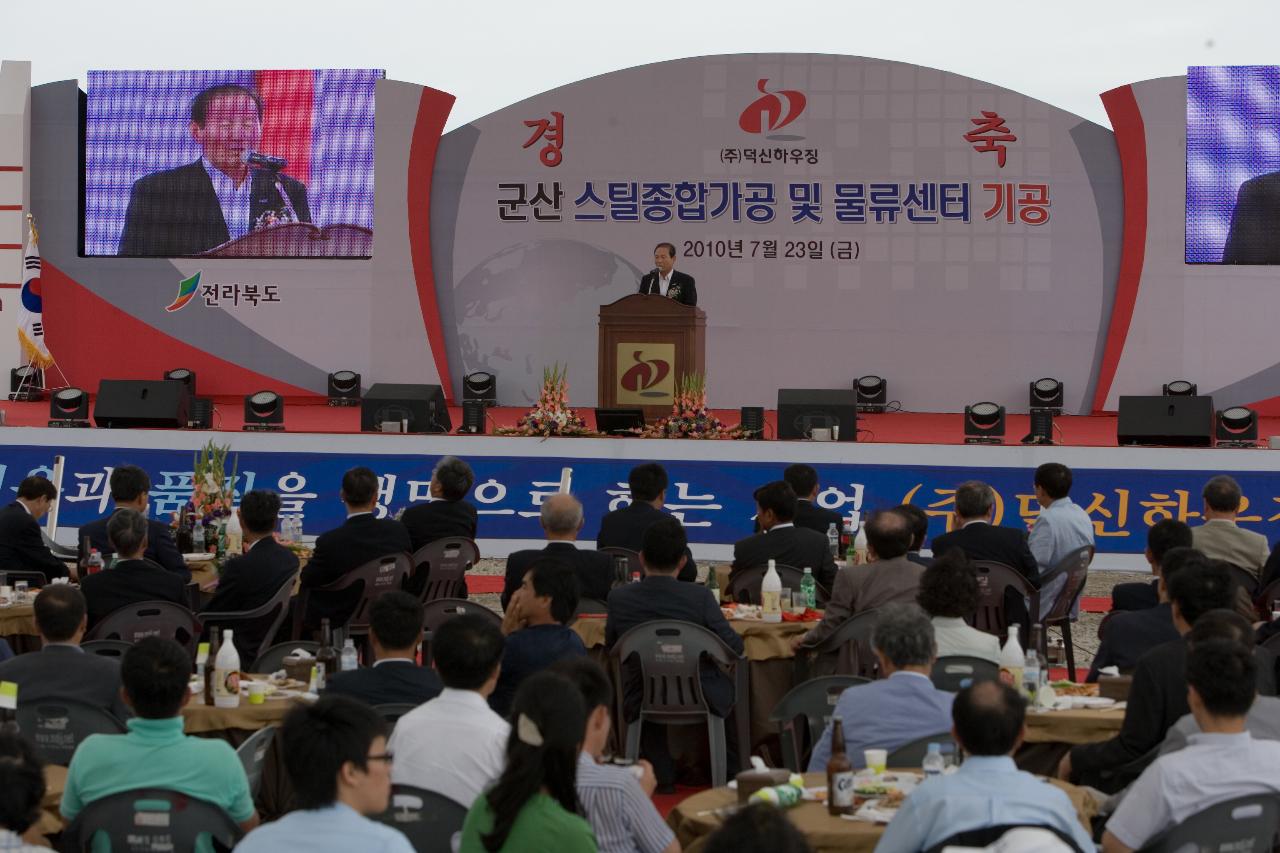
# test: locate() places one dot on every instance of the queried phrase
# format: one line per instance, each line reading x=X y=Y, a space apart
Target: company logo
x=645 y=375
x=772 y=111
x=187 y=289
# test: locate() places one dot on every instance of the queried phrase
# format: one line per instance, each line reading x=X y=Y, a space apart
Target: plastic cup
x=876 y=759
x=784 y=599
x=257 y=692
x=6 y=593
x=20 y=590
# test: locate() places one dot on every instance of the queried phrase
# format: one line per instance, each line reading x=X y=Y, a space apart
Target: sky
x=492 y=54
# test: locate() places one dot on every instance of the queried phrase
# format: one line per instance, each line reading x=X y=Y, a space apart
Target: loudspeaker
x=421 y=405
x=124 y=403
x=481 y=385
x=801 y=410
x=1169 y=421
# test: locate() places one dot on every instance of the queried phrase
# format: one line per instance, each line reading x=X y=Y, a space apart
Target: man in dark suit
x=361 y=539
x=448 y=513
x=395 y=629
x=561 y=519
x=193 y=208
x=130 y=488
x=803 y=480
x=21 y=546
x=132 y=579
x=781 y=540
x=1251 y=239
x=664 y=280
x=919 y=523
x=249 y=580
x=1162 y=537
x=61 y=669
x=624 y=527
x=661 y=596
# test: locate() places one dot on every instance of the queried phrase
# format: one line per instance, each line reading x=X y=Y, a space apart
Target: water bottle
x=197 y=538
x=1031 y=668
x=809 y=587
x=833 y=540
x=933 y=761
x=350 y=660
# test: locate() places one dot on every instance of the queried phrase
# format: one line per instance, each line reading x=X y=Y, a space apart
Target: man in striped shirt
x=615 y=799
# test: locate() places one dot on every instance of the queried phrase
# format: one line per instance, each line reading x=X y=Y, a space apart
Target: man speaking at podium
x=663 y=280
x=221 y=196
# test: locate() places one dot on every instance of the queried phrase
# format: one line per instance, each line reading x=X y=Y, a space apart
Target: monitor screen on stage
x=1233 y=164
x=229 y=163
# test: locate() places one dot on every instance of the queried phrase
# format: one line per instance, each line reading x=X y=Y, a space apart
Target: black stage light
x=186 y=377
x=264 y=412
x=873 y=391
x=26 y=383
x=1237 y=427
x=984 y=424
x=473 y=417
x=481 y=385
x=344 y=388
x=1180 y=388
x=69 y=407
x=752 y=421
x=1047 y=393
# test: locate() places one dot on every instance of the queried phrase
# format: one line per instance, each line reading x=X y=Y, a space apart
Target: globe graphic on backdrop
x=536 y=303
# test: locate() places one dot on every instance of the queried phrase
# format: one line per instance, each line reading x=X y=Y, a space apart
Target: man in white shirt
x=1061 y=528
x=454 y=744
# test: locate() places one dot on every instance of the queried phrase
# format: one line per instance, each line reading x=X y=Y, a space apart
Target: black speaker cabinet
x=801 y=410
x=1168 y=421
x=124 y=403
x=421 y=405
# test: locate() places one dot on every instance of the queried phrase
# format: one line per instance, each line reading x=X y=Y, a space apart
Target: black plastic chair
x=106 y=648
x=56 y=727
x=1243 y=578
x=364 y=583
x=622 y=576
x=35 y=580
x=393 y=711
x=988 y=835
x=429 y=820
x=993 y=580
x=150 y=619
x=953 y=672
x=1242 y=824
x=149 y=819
x=669 y=653
x=264 y=620
x=591 y=607
x=744 y=585
x=846 y=651
x=912 y=754
x=436 y=613
x=811 y=702
x=1075 y=568
x=253 y=756
x=440 y=568
x=272 y=659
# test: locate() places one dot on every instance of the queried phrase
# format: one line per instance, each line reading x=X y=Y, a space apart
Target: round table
x=17 y=619
x=1077 y=726
x=201 y=719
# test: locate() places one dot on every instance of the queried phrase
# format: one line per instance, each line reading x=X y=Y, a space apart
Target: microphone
x=262 y=161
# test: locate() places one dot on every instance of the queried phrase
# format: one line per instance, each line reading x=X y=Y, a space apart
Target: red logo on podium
x=645 y=375
x=773 y=110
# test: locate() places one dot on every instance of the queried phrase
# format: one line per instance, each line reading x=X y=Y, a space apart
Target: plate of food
x=1071 y=688
x=198 y=558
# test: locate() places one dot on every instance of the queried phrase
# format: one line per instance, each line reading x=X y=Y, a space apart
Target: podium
x=647 y=343
x=298 y=240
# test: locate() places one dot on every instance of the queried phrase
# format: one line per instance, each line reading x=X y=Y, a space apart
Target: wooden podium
x=298 y=240
x=647 y=343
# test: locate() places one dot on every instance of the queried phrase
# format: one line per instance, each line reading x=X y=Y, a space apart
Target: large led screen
x=231 y=163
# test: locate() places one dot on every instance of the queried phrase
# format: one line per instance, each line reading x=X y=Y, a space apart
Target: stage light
x=984 y=424
x=264 y=412
x=1237 y=427
x=873 y=391
x=69 y=407
x=183 y=375
x=482 y=386
x=1180 y=388
x=752 y=420
x=473 y=417
x=1047 y=393
x=26 y=383
x=344 y=388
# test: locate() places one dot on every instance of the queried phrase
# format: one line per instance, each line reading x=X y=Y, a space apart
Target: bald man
x=561 y=520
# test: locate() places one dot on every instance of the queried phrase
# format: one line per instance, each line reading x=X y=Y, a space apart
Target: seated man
x=336 y=755
x=888 y=577
x=132 y=579
x=1219 y=538
x=537 y=628
x=988 y=790
x=155 y=753
x=624 y=527
x=361 y=539
x=918 y=521
x=395 y=629
x=1128 y=635
x=448 y=513
x=1162 y=537
x=781 y=540
x=22 y=547
x=661 y=596
x=1221 y=762
x=1061 y=528
x=616 y=802
x=803 y=480
x=455 y=744
x=902 y=707
x=949 y=594
x=561 y=519
x=22 y=794
x=130 y=488
x=61 y=669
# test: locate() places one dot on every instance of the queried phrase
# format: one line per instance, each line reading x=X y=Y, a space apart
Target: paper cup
x=257 y=692
x=876 y=759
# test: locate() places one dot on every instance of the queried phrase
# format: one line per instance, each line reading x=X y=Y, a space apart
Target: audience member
x=533 y=808
x=780 y=539
x=1061 y=528
x=949 y=594
x=561 y=518
x=661 y=596
x=358 y=541
x=988 y=790
x=155 y=753
x=22 y=547
x=132 y=579
x=624 y=527
x=537 y=628
x=61 y=669
x=130 y=489
x=1162 y=537
x=22 y=790
x=803 y=480
x=901 y=707
x=454 y=745
x=616 y=802
x=395 y=630
x=447 y=515
x=1221 y=762
x=918 y=521
x=336 y=755
x=1219 y=538
x=758 y=828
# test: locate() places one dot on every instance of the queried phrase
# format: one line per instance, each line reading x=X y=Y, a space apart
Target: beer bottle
x=839 y=773
x=209 y=667
x=326 y=655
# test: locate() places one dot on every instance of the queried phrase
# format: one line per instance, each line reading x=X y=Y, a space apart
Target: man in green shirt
x=155 y=753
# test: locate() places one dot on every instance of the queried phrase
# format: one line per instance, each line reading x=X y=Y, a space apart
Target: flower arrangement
x=210 y=494
x=551 y=415
x=690 y=417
